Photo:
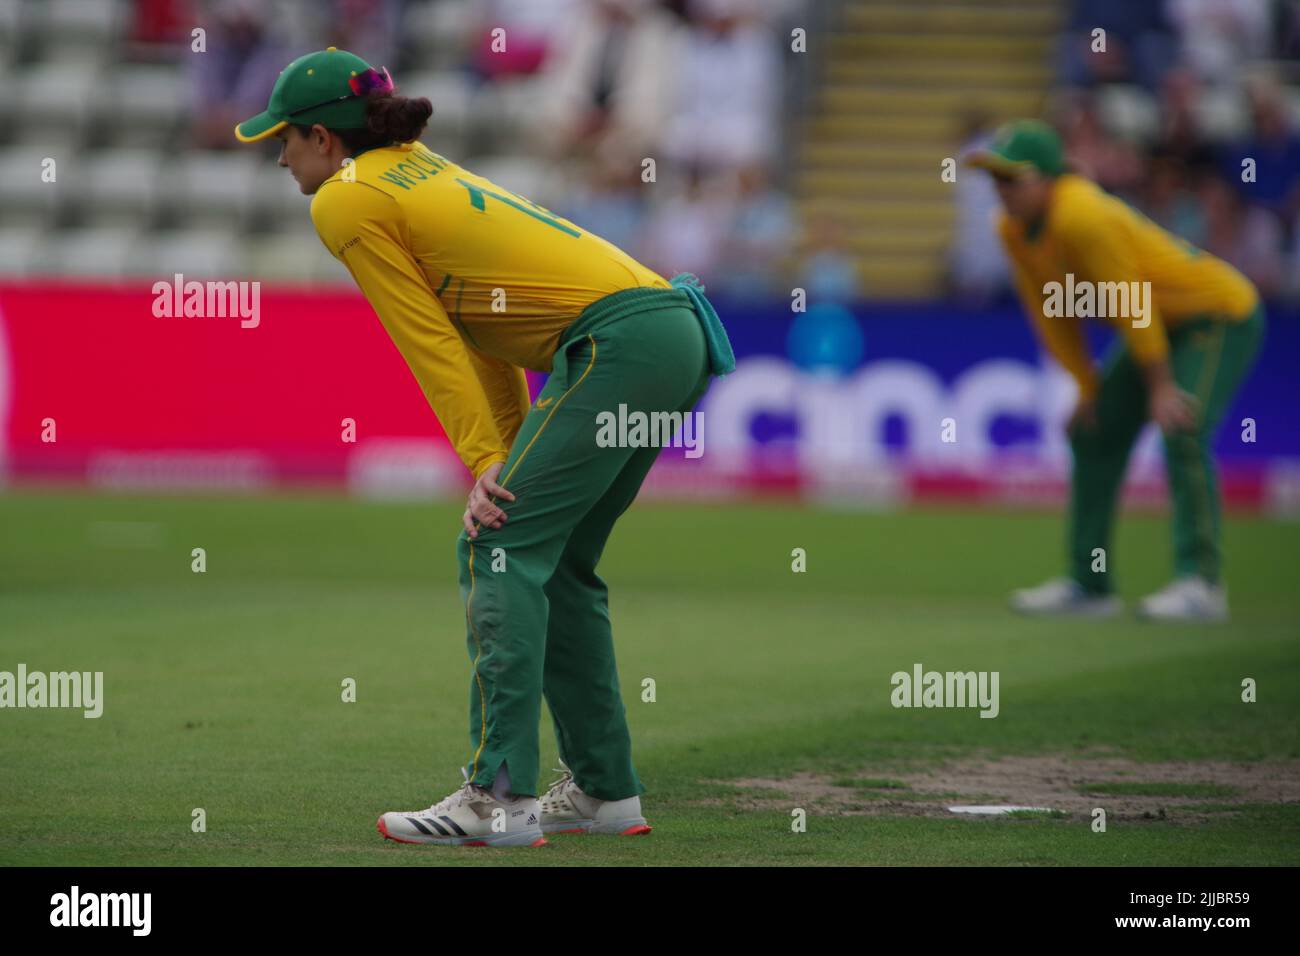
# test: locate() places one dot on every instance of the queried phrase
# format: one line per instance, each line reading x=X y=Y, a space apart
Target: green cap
x=314 y=88
x=1021 y=145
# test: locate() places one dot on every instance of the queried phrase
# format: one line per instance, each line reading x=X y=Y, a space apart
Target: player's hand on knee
x=480 y=506
x=1173 y=409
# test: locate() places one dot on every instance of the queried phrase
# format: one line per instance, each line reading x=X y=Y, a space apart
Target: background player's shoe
x=566 y=809
x=1186 y=599
x=1064 y=596
x=465 y=818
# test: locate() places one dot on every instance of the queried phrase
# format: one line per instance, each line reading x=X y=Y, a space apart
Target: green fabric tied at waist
x=685 y=291
x=722 y=359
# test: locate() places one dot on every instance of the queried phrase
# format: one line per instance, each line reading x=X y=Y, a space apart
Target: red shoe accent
x=639 y=830
x=379 y=825
x=579 y=830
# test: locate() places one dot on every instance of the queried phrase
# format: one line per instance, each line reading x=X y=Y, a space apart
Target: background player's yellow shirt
x=1100 y=238
x=473 y=282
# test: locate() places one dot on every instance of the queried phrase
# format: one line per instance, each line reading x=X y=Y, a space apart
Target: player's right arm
x=1060 y=336
x=361 y=227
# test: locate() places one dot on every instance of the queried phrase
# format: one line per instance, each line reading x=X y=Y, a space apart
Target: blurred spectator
x=531 y=28
x=1291 y=273
x=1140 y=45
x=368 y=28
x=608 y=87
x=829 y=270
x=1275 y=148
x=725 y=111
x=758 y=242
x=611 y=202
x=687 y=231
x=1172 y=201
x=977 y=267
x=1286 y=43
x=1115 y=165
x=247 y=45
x=1217 y=36
x=1244 y=235
x=1180 y=137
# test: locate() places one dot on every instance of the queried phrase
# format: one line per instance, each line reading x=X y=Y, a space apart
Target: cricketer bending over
x=1179 y=361
x=434 y=247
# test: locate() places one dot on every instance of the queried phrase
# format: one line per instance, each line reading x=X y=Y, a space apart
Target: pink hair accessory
x=371 y=81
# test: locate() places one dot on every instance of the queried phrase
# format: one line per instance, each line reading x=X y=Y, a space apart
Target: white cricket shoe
x=1064 y=596
x=566 y=809
x=467 y=818
x=1186 y=599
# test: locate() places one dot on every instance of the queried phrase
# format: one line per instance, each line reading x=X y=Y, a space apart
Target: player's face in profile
x=1023 y=196
x=306 y=157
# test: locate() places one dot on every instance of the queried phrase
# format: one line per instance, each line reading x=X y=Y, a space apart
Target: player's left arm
x=506 y=387
x=362 y=227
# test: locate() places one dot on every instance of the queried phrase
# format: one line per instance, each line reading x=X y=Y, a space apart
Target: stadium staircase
x=889 y=105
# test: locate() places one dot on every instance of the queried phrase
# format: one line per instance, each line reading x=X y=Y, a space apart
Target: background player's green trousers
x=537 y=614
x=1209 y=359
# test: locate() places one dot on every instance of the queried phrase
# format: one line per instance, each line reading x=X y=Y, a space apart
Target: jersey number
x=477 y=200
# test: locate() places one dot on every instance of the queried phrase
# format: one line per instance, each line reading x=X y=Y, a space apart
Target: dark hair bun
x=398 y=118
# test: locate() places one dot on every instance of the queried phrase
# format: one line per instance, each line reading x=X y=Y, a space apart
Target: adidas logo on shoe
x=469 y=817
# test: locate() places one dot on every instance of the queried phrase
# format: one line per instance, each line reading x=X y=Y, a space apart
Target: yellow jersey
x=1089 y=236
x=473 y=282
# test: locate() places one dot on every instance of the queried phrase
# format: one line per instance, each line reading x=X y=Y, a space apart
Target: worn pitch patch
x=1074 y=784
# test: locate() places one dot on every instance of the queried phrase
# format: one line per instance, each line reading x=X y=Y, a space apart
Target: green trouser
x=1209 y=359
x=537 y=614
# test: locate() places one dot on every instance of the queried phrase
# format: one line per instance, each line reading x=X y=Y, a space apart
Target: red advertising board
x=267 y=397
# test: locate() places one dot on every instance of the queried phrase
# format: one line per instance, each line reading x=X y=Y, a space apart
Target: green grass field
x=223 y=689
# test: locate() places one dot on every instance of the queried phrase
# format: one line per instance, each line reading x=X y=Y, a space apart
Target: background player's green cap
x=328 y=87
x=1021 y=145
